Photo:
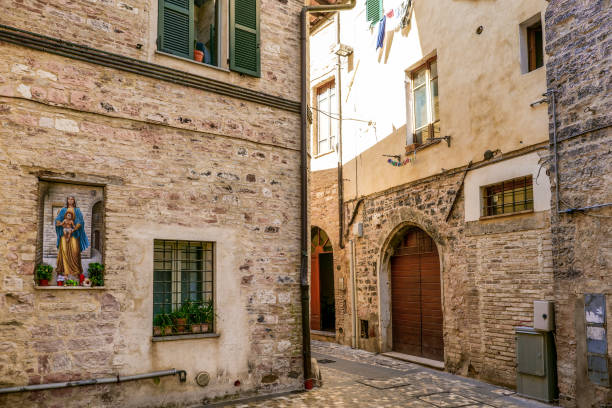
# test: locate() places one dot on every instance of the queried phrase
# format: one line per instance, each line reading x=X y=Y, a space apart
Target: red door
x=320 y=244
x=416 y=297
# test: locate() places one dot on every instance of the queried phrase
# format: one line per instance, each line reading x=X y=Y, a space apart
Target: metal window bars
x=508 y=197
x=183 y=289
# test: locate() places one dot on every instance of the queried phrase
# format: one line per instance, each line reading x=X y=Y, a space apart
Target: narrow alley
x=357 y=378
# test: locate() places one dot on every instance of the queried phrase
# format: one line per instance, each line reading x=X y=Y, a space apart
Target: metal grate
x=183 y=274
x=508 y=197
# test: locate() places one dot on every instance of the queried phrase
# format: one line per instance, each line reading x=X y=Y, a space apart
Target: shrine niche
x=71 y=231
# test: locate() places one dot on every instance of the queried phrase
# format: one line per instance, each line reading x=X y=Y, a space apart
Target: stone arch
x=401 y=220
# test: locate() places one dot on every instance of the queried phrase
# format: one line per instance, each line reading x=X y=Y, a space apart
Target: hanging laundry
x=405 y=13
x=381 y=32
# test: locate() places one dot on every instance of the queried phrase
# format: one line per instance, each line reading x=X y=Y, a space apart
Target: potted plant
x=43 y=274
x=194 y=317
x=72 y=282
x=180 y=317
x=60 y=280
x=96 y=274
x=208 y=316
x=162 y=325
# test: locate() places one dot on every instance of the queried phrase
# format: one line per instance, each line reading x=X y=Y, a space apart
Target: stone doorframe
x=400 y=220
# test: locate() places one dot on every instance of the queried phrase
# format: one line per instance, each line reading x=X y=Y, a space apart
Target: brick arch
x=400 y=219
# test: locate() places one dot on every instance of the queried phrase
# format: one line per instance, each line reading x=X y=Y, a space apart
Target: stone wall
x=175 y=163
x=578 y=70
x=492 y=270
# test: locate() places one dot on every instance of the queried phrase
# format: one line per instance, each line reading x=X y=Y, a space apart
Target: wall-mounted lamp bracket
x=437 y=139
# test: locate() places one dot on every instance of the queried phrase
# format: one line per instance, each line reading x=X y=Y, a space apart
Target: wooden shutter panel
x=244 y=37
x=374 y=11
x=175 y=28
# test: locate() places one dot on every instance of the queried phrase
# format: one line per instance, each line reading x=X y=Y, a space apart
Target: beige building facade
x=428 y=176
x=186 y=177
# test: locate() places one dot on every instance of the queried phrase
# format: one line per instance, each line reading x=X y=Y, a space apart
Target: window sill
x=415 y=147
x=37 y=287
x=185 y=337
x=492 y=217
x=201 y=64
x=318 y=155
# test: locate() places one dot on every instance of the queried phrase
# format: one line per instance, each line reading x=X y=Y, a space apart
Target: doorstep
x=328 y=336
x=414 y=359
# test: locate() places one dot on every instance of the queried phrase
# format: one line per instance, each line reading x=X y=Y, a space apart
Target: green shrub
x=96 y=274
x=44 y=271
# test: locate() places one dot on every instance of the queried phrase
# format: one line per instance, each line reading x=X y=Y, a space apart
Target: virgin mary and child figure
x=71 y=239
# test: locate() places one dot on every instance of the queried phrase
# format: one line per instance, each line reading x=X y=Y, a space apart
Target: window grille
x=183 y=274
x=508 y=197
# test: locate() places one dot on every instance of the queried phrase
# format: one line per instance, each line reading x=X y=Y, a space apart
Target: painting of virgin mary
x=71 y=239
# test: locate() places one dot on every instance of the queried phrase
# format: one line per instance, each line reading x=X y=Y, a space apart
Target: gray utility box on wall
x=535 y=364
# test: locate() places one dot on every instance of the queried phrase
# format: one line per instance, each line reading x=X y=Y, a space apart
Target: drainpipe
x=93 y=381
x=305 y=241
x=355 y=338
x=340 y=176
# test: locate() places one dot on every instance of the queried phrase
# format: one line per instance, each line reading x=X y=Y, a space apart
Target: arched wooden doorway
x=322 y=299
x=416 y=297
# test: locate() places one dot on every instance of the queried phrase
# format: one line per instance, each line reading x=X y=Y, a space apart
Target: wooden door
x=320 y=244
x=416 y=297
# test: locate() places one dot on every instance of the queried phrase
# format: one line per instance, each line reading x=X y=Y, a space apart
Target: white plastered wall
x=506 y=170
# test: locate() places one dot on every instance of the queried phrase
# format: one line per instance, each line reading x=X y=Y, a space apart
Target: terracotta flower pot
x=180 y=325
x=157 y=330
x=60 y=283
x=43 y=282
x=205 y=327
x=196 y=328
x=198 y=55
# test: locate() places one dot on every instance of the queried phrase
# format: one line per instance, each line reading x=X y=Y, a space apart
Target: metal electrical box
x=535 y=364
x=543 y=315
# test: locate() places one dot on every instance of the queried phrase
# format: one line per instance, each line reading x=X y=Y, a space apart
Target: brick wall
x=578 y=69
x=175 y=163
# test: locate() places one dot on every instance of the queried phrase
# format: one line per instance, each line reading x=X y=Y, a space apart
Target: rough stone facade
x=578 y=71
x=492 y=270
x=174 y=163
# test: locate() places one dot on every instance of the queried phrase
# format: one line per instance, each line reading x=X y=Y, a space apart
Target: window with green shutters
x=244 y=37
x=175 y=30
x=192 y=29
x=374 y=10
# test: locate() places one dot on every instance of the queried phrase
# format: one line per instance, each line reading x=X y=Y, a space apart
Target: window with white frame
x=424 y=104
x=327 y=118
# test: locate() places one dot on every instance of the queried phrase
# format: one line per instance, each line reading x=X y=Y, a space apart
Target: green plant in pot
x=162 y=325
x=72 y=282
x=96 y=274
x=181 y=317
x=207 y=316
x=43 y=274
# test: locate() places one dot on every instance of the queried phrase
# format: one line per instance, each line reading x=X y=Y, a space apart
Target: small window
x=205 y=31
x=532 y=44
x=327 y=122
x=183 y=274
x=425 y=104
x=508 y=197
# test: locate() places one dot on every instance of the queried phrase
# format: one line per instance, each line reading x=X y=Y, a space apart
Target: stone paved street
x=356 y=378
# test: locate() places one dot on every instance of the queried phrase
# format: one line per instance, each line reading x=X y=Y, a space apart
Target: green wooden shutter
x=374 y=9
x=244 y=37
x=175 y=28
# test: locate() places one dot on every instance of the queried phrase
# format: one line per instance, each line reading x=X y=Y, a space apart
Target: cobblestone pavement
x=356 y=378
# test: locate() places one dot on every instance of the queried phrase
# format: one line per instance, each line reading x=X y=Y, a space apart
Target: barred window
x=508 y=197
x=183 y=274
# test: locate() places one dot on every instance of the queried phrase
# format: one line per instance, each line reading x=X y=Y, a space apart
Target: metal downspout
x=304 y=286
x=93 y=381
x=340 y=170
